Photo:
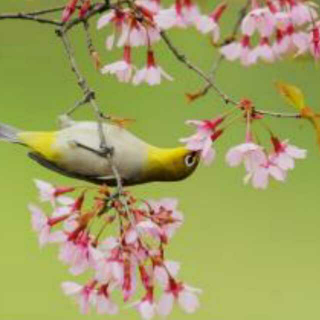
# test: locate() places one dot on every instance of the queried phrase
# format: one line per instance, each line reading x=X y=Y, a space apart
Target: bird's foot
x=104 y=152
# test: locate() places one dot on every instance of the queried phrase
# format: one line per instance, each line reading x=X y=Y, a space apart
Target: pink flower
x=257 y=164
x=251 y=154
x=259 y=175
x=79 y=253
x=43 y=225
x=301 y=13
x=122 y=69
x=84 y=295
x=209 y=23
x=146 y=306
x=152 y=5
x=183 y=14
x=285 y=154
x=150 y=74
x=167 y=216
x=183 y=294
x=203 y=139
x=239 y=50
x=163 y=271
x=260 y=19
x=264 y=51
x=104 y=304
x=119 y=19
x=52 y=194
x=290 y=41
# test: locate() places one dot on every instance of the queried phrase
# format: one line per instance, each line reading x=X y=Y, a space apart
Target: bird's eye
x=190 y=159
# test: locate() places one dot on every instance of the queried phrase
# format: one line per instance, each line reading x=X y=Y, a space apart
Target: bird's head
x=170 y=164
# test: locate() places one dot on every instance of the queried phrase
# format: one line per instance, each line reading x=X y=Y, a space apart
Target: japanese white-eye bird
x=70 y=151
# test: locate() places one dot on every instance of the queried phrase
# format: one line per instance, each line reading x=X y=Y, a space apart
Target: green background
x=256 y=254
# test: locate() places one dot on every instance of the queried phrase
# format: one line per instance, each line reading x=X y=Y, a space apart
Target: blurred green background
x=256 y=254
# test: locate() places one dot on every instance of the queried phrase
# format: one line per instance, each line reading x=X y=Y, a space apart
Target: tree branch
x=30 y=17
x=183 y=59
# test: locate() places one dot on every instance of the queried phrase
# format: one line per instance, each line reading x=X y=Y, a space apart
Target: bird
x=74 y=151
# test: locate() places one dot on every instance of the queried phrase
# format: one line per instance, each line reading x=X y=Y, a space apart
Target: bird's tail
x=8 y=133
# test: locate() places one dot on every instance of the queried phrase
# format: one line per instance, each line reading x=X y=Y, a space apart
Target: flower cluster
x=141 y=25
x=284 y=27
x=259 y=164
x=136 y=255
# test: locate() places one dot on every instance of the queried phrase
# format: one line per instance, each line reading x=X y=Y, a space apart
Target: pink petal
x=188 y=301
x=165 y=304
x=71 y=288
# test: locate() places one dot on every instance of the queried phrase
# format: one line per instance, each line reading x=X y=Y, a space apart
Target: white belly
x=130 y=153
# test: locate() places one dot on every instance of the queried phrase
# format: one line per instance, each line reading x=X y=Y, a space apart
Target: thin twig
x=182 y=58
x=30 y=17
x=278 y=114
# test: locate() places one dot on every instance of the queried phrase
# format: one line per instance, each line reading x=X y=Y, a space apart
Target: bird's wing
x=108 y=180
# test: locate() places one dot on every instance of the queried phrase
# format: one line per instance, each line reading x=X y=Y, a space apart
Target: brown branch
x=278 y=114
x=183 y=59
x=30 y=17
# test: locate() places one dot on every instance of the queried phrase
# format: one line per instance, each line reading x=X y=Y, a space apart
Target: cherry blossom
x=104 y=304
x=43 y=225
x=84 y=295
x=151 y=73
x=78 y=252
x=240 y=50
x=209 y=23
x=285 y=154
x=119 y=20
x=260 y=19
x=122 y=69
x=260 y=174
x=52 y=194
x=203 y=139
x=185 y=296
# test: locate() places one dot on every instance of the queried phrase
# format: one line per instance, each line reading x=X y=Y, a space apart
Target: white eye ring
x=190 y=160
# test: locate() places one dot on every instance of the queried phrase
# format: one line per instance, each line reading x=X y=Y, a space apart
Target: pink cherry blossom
x=53 y=194
x=167 y=215
x=264 y=51
x=146 y=306
x=43 y=225
x=183 y=14
x=104 y=304
x=185 y=296
x=209 y=23
x=151 y=73
x=162 y=272
x=239 y=50
x=301 y=13
x=122 y=69
x=259 y=175
x=285 y=154
x=119 y=20
x=260 y=19
x=153 y=5
x=78 y=253
x=206 y=24
x=203 y=139
x=110 y=268
x=251 y=154
x=84 y=295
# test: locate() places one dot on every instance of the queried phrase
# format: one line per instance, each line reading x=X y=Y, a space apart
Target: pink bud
x=84 y=9
x=69 y=10
x=219 y=10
